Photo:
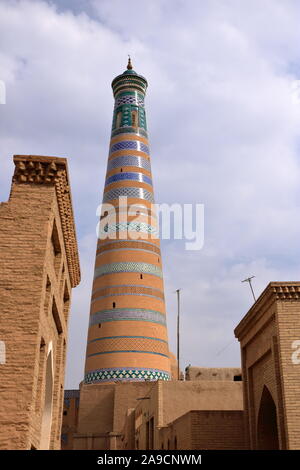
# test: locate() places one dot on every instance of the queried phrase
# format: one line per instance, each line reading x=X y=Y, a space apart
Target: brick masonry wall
x=205 y=430
x=35 y=292
x=168 y=401
x=220 y=430
x=288 y=318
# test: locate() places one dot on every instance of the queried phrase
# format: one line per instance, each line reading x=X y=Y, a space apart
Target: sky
x=223 y=112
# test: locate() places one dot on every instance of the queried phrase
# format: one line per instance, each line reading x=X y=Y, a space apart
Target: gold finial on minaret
x=129 y=65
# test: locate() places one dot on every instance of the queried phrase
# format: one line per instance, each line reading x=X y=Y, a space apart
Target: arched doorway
x=267 y=431
x=47 y=411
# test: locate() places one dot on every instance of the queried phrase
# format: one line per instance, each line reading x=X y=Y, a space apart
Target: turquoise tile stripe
x=127 y=314
x=129 y=130
x=127 y=351
x=128 y=249
x=127 y=226
x=125 y=374
x=105 y=243
x=140 y=337
x=128 y=267
x=127 y=293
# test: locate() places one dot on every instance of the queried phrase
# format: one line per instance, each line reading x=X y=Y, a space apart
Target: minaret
x=127 y=338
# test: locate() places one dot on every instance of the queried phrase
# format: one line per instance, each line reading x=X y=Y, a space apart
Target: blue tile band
x=129 y=145
x=128 y=176
x=128 y=160
x=132 y=192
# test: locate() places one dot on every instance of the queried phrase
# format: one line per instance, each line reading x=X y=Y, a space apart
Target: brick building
x=270 y=345
x=39 y=267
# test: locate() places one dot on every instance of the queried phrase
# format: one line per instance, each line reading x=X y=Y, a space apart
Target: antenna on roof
x=249 y=279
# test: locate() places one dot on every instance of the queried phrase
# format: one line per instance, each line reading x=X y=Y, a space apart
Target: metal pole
x=249 y=280
x=252 y=290
x=178 y=325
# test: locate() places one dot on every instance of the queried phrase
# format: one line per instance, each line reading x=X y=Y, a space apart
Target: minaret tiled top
x=129 y=80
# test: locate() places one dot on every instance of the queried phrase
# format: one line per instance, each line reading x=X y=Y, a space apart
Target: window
x=134 y=118
x=56 y=249
x=237 y=378
x=47 y=296
x=119 y=119
x=66 y=302
x=141 y=276
x=104 y=215
x=56 y=317
x=114 y=304
x=99 y=326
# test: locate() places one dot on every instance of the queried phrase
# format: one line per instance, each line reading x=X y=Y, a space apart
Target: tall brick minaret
x=127 y=338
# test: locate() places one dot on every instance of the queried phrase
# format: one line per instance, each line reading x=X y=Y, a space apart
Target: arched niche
x=48 y=403
x=267 y=430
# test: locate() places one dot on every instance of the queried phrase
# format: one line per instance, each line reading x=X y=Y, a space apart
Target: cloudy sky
x=223 y=109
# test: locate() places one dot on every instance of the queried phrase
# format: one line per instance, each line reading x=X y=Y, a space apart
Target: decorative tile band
x=126 y=93
x=132 y=287
x=137 y=193
x=128 y=267
x=128 y=145
x=128 y=160
x=125 y=374
x=109 y=242
x=129 y=130
x=128 y=227
x=131 y=337
x=124 y=249
x=126 y=244
x=129 y=99
x=127 y=290
x=127 y=314
x=125 y=82
x=126 y=293
x=128 y=345
x=131 y=210
x=127 y=351
x=128 y=176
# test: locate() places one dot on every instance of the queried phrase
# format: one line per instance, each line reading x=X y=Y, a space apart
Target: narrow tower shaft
x=127 y=337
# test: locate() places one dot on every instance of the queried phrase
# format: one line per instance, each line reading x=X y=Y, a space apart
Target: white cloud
x=222 y=116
